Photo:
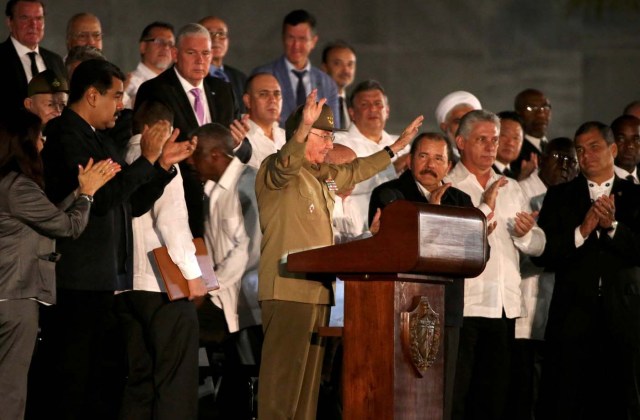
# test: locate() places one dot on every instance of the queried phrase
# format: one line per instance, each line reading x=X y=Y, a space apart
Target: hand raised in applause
x=407 y=135
x=491 y=194
x=176 y=151
x=524 y=222
x=310 y=114
x=153 y=140
x=528 y=166
x=92 y=176
x=605 y=208
x=239 y=129
x=436 y=195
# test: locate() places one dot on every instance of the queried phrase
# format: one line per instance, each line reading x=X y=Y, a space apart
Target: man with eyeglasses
x=156 y=42
x=263 y=100
x=294 y=188
x=535 y=109
x=21 y=56
x=626 y=132
x=47 y=95
x=592 y=226
x=493 y=299
x=558 y=165
x=219 y=48
x=84 y=29
x=295 y=74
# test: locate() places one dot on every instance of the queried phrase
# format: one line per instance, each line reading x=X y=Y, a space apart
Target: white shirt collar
x=597 y=190
x=535 y=141
x=186 y=85
x=290 y=66
x=23 y=49
x=622 y=173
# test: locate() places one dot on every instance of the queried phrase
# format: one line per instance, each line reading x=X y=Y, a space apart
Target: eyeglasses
x=326 y=137
x=160 y=42
x=635 y=140
x=538 y=108
x=565 y=160
x=85 y=36
x=219 y=34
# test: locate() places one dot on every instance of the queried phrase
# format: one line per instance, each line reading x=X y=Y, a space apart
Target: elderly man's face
x=480 y=147
x=27 y=23
x=193 y=57
x=511 y=136
x=595 y=155
x=430 y=163
x=319 y=142
x=46 y=105
x=85 y=31
x=219 y=38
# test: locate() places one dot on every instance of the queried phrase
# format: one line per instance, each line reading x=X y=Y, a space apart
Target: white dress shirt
x=140 y=75
x=192 y=100
x=167 y=223
x=498 y=286
x=263 y=146
x=306 y=79
x=363 y=147
x=26 y=61
x=537 y=284
x=536 y=142
x=624 y=174
x=235 y=251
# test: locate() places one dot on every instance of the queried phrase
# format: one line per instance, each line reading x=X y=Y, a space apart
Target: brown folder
x=174 y=281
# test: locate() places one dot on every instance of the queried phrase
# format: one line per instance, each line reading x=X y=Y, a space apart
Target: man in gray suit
x=294 y=71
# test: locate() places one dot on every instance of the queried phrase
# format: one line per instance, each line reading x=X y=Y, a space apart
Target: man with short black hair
x=626 y=132
x=21 y=56
x=339 y=62
x=85 y=340
x=295 y=74
x=535 y=109
x=510 y=143
x=592 y=226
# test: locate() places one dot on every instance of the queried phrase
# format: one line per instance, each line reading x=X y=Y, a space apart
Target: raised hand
x=491 y=194
x=407 y=134
x=93 y=176
x=174 y=151
x=239 y=129
x=589 y=223
x=605 y=208
x=310 y=114
x=528 y=166
x=436 y=195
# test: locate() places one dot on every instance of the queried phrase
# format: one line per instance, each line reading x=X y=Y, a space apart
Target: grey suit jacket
x=326 y=88
x=28 y=221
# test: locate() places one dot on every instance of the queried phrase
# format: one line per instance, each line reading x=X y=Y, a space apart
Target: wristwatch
x=87 y=197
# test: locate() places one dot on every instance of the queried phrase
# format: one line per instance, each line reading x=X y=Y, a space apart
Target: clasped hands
x=602 y=213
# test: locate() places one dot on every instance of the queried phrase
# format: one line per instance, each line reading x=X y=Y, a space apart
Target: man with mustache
x=429 y=163
x=369 y=111
x=626 y=132
x=339 y=62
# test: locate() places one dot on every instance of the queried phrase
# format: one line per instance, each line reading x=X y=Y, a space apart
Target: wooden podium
x=394 y=305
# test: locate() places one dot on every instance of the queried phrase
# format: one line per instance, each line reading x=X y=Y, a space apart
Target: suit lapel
x=16 y=63
x=280 y=71
x=180 y=97
x=211 y=99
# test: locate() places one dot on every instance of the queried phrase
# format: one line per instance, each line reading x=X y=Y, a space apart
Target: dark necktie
x=219 y=74
x=34 y=66
x=508 y=173
x=301 y=94
x=543 y=144
x=343 y=115
x=630 y=178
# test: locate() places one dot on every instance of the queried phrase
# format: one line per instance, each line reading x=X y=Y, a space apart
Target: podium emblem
x=421 y=335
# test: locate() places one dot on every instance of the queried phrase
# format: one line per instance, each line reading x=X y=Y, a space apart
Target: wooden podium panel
x=380 y=381
x=391 y=371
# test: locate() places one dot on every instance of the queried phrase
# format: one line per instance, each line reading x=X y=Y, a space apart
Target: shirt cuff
x=578 y=239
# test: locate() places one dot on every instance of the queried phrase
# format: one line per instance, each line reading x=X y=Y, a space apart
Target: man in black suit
x=535 y=110
x=592 y=225
x=430 y=161
x=626 y=132
x=82 y=331
x=219 y=48
x=177 y=88
x=511 y=135
x=20 y=54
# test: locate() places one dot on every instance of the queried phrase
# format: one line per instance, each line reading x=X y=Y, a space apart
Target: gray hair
x=472 y=117
x=192 y=29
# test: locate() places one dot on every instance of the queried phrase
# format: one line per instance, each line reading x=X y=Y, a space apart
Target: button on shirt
x=498 y=286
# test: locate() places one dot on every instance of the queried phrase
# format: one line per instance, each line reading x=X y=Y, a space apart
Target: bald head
x=84 y=29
